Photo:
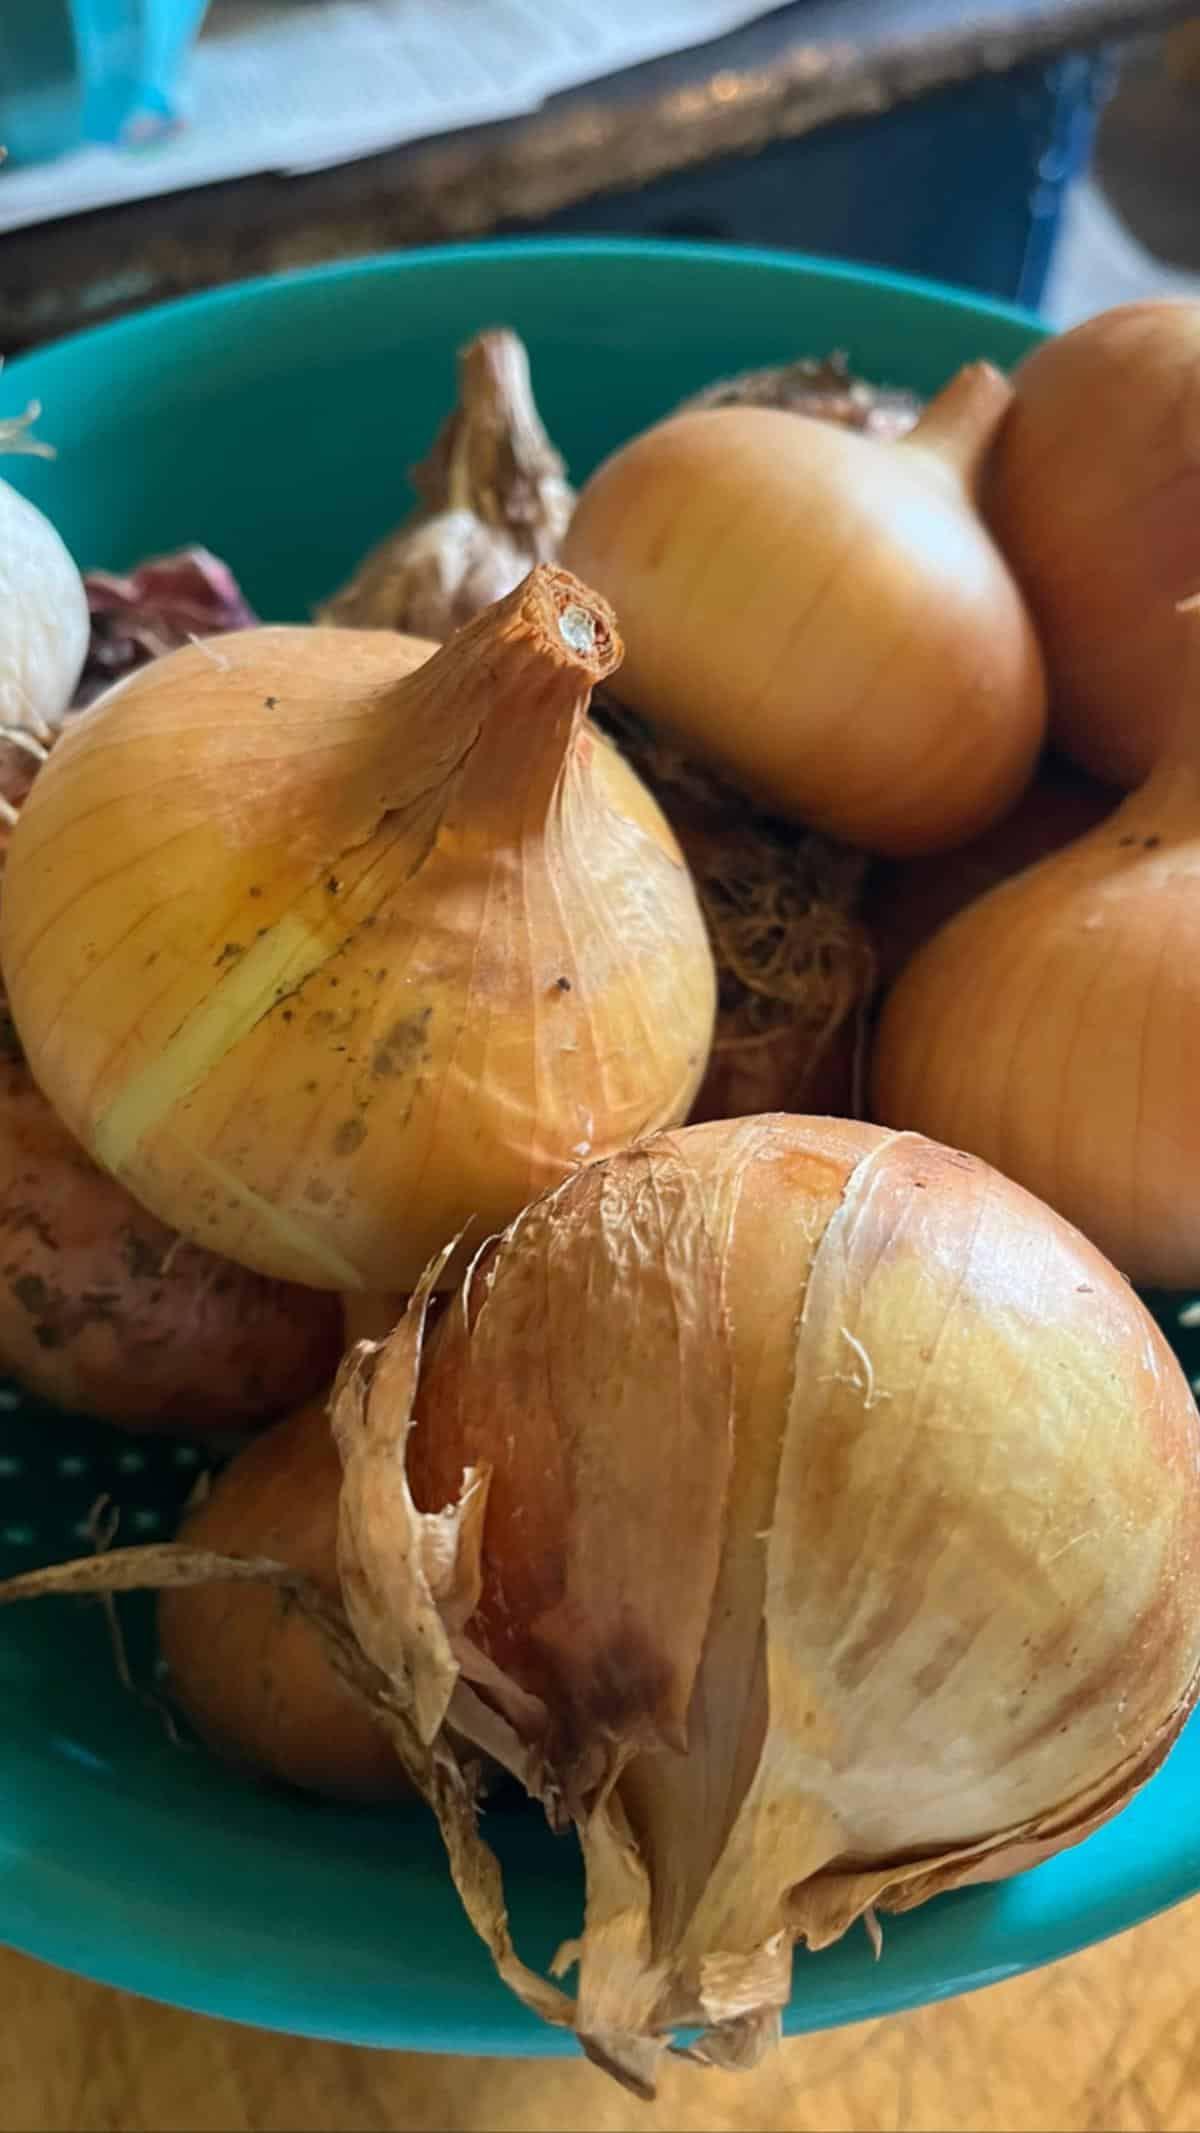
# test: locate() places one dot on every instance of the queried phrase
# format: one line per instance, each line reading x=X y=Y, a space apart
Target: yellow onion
x=822 y=616
x=1094 y=495
x=804 y=1512
x=328 y=957
x=1052 y=1027
x=242 y=1661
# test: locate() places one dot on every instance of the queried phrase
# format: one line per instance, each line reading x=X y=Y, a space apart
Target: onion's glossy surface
x=1094 y=496
x=242 y=1662
x=822 y=616
x=806 y=1511
x=328 y=954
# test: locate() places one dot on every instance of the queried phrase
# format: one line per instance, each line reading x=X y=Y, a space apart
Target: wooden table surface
x=1108 y=2041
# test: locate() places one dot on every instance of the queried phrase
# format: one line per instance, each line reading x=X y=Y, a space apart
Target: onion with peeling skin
x=839 y=1544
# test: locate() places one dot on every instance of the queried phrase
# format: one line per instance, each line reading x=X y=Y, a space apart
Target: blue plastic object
x=88 y=70
x=274 y=422
x=966 y=185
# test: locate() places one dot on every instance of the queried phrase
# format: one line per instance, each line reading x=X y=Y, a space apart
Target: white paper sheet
x=299 y=85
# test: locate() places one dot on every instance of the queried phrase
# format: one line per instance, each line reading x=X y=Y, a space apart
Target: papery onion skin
x=823 y=617
x=1094 y=495
x=842 y=1543
x=242 y=1662
x=388 y=952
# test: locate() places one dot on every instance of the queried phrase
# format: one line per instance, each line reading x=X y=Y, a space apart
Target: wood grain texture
x=1106 y=2043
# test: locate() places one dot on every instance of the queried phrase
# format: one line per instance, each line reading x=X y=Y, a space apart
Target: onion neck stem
x=959 y=426
x=499 y=704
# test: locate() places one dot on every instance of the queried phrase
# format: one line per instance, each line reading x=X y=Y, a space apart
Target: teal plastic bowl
x=274 y=422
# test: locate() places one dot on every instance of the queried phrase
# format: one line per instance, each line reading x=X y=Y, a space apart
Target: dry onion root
x=493 y=501
x=795 y=968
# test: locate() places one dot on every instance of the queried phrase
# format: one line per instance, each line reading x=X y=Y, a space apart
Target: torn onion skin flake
x=803 y=1512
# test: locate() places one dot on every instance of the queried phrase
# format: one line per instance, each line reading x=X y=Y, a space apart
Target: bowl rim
x=232 y=295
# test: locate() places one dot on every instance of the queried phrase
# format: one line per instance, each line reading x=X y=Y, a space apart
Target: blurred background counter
x=942 y=139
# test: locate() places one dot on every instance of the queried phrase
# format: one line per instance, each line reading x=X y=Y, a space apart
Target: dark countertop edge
x=60 y=275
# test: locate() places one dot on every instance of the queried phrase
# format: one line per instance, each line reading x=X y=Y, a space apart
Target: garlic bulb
x=806 y=1513
x=493 y=501
x=43 y=606
x=385 y=951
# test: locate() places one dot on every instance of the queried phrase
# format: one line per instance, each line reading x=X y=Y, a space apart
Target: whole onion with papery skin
x=807 y=1513
x=394 y=940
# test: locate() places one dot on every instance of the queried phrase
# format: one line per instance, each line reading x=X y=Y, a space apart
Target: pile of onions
x=106 y=1311
x=804 y=1512
x=1095 y=497
x=822 y=616
x=391 y=945
x=243 y=1663
x=1052 y=1026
